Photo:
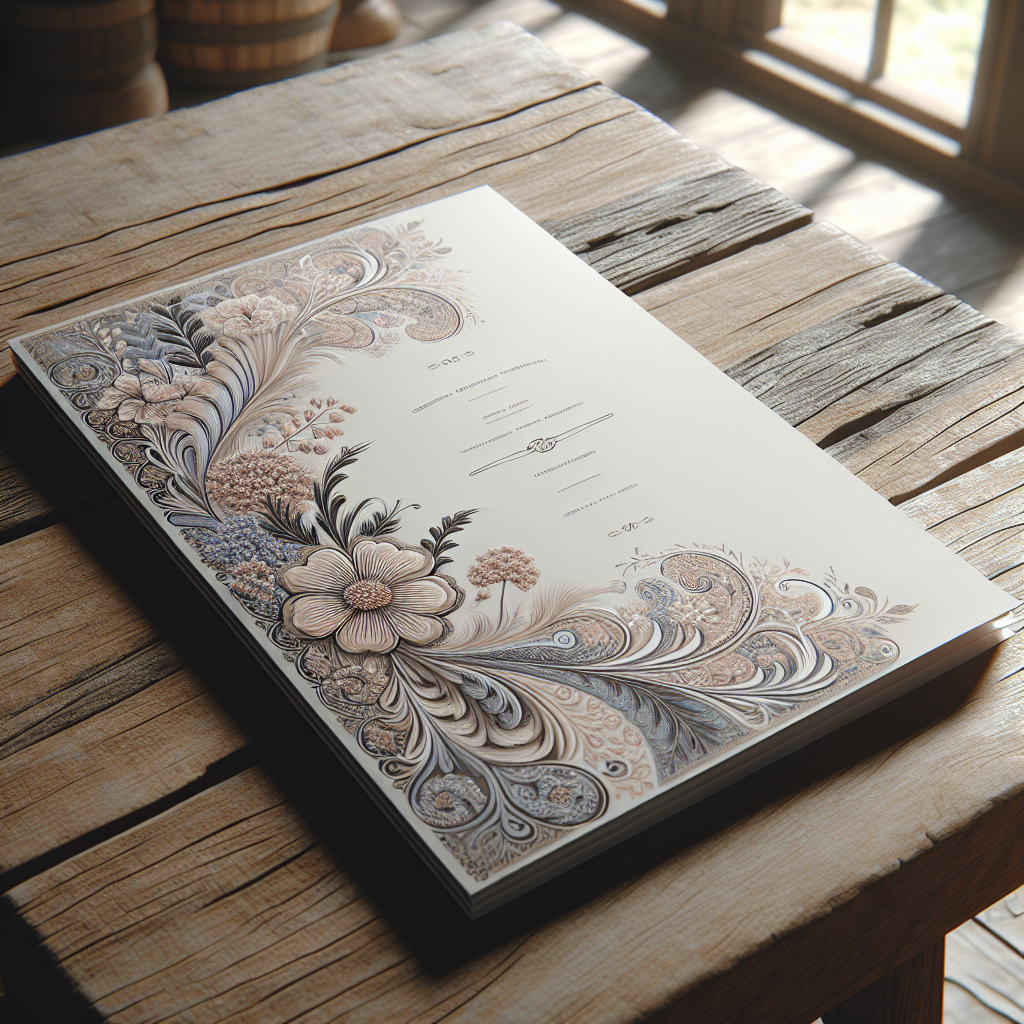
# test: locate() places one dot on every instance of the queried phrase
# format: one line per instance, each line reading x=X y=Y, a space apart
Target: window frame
x=746 y=40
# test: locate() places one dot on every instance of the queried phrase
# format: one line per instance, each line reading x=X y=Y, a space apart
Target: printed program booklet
x=535 y=569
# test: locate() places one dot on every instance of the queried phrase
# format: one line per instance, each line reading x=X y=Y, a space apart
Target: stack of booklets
x=536 y=570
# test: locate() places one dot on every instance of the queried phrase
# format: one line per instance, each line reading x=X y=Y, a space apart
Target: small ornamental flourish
x=504 y=732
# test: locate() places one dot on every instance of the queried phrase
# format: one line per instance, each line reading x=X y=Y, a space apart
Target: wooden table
x=176 y=845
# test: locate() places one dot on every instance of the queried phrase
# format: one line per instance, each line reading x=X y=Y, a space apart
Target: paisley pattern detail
x=84 y=371
x=554 y=793
x=448 y=801
x=503 y=733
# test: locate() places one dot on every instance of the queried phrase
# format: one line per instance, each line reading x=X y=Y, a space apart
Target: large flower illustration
x=149 y=395
x=240 y=318
x=370 y=598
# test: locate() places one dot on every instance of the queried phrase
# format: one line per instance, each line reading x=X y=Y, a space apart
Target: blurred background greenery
x=933 y=47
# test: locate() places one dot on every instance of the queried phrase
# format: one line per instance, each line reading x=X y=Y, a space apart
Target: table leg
x=908 y=994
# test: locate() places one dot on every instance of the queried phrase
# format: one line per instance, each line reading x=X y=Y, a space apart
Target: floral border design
x=511 y=730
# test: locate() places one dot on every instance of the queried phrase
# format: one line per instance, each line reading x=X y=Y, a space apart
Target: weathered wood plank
x=733 y=309
x=908 y=396
x=985 y=965
x=848 y=364
x=53 y=636
x=262 y=899
x=228 y=903
x=931 y=439
x=985 y=968
x=960 y=1007
x=155 y=741
x=279 y=134
x=677 y=226
x=980 y=516
x=102 y=712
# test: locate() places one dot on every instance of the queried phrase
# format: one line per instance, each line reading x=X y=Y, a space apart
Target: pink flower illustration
x=240 y=318
x=370 y=599
x=148 y=395
x=503 y=565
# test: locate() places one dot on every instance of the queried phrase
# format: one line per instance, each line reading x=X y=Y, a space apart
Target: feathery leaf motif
x=380 y=524
x=440 y=542
x=266 y=350
x=329 y=500
x=177 y=325
x=280 y=521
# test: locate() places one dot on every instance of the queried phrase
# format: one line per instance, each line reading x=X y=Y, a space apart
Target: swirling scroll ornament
x=206 y=370
x=84 y=371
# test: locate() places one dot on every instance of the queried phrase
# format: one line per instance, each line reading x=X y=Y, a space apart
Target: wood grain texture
x=908 y=390
x=676 y=226
x=988 y=971
x=261 y=898
x=929 y=439
x=844 y=364
x=980 y=516
x=909 y=994
x=742 y=305
x=102 y=712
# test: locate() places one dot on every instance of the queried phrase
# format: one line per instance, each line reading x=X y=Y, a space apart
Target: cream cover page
x=525 y=558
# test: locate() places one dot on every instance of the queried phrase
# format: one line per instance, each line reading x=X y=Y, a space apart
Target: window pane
x=843 y=26
x=934 y=48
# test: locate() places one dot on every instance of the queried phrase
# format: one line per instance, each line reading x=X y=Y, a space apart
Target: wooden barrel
x=75 y=66
x=234 y=44
x=366 y=23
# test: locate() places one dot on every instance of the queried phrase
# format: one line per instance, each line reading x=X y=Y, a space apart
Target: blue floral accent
x=240 y=538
